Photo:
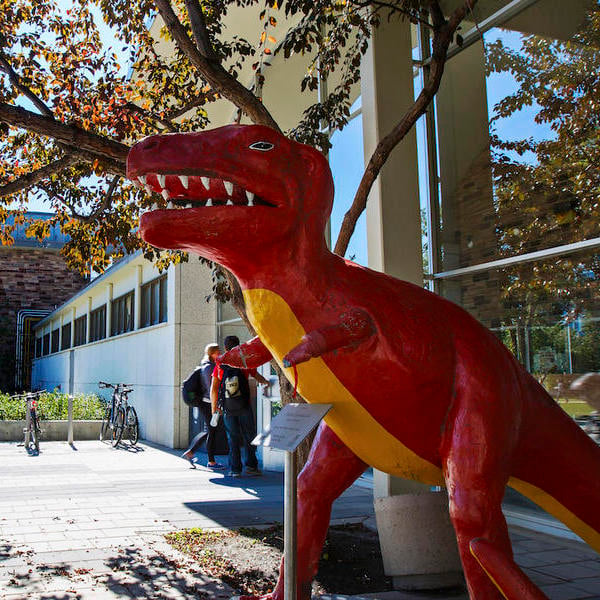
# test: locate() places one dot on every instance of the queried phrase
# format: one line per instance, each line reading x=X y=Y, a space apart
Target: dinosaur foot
x=512 y=583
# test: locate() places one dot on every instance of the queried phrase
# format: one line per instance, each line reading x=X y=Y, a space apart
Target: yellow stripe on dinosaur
x=280 y=331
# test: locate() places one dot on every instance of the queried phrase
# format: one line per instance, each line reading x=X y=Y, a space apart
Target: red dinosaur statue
x=419 y=388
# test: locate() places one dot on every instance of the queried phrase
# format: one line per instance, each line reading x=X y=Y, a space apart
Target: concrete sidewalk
x=88 y=523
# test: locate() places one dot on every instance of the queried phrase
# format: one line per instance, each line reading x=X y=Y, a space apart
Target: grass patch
x=53 y=406
x=574 y=408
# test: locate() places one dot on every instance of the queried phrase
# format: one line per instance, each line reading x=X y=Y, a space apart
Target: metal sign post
x=287 y=431
x=290 y=547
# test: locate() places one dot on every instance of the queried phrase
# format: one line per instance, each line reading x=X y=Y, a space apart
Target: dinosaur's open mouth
x=194 y=191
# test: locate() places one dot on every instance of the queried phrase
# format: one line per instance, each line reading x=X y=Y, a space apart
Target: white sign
x=289 y=428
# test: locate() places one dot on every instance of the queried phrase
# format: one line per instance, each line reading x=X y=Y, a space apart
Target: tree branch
x=113 y=154
x=178 y=112
x=146 y=113
x=443 y=34
x=44 y=172
x=104 y=205
x=14 y=78
x=199 y=28
x=213 y=72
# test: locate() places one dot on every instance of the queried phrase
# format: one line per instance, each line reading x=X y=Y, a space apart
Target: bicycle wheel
x=117 y=432
x=34 y=433
x=133 y=428
x=104 y=428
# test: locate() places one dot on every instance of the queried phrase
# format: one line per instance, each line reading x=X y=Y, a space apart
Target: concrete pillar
x=180 y=410
x=394 y=247
x=393 y=214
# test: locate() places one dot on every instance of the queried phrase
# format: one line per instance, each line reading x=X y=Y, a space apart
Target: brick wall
x=30 y=278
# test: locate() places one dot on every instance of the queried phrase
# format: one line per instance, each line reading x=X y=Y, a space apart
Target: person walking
x=230 y=396
x=196 y=393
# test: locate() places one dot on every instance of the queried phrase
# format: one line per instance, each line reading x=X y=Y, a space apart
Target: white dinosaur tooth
x=161 y=180
x=228 y=187
x=209 y=202
x=170 y=205
x=142 y=179
x=188 y=205
x=205 y=182
x=154 y=206
x=148 y=189
x=185 y=181
x=250 y=196
x=229 y=202
x=165 y=194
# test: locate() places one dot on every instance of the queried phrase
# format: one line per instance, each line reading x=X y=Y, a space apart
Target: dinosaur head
x=233 y=193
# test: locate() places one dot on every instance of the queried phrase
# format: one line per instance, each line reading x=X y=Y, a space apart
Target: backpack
x=192 y=389
x=234 y=391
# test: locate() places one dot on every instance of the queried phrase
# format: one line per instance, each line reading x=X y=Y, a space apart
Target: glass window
x=98 y=324
x=516 y=143
x=122 y=315
x=46 y=344
x=518 y=138
x=55 y=340
x=66 y=337
x=80 y=330
x=546 y=312
x=154 y=302
x=38 y=347
x=347 y=166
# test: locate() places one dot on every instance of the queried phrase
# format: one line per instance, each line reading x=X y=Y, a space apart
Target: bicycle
x=33 y=430
x=120 y=417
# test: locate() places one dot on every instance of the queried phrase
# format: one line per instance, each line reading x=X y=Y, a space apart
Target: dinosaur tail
x=558 y=465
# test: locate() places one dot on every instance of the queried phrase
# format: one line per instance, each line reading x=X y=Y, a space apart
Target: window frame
x=80 y=333
x=154 y=302
x=98 y=324
x=55 y=341
x=119 y=323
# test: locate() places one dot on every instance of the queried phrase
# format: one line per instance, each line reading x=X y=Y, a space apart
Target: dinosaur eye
x=262 y=146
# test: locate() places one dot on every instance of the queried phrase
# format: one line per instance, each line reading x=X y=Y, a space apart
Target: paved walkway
x=88 y=523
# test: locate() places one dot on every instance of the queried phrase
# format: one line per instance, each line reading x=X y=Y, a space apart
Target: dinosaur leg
x=330 y=469
x=476 y=473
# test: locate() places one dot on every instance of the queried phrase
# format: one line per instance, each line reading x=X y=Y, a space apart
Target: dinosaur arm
x=249 y=355
x=354 y=327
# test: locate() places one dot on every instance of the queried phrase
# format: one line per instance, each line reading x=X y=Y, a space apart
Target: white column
x=394 y=246
x=393 y=213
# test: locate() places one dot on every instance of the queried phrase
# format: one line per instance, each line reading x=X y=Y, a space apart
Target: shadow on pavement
x=126 y=573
